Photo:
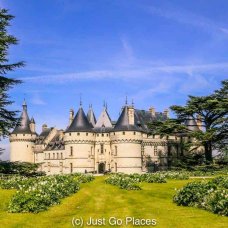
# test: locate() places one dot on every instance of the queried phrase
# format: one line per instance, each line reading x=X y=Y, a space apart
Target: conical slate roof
x=191 y=124
x=104 y=123
x=32 y=120
x=123 y=122
x=23 y=126
x=91 y=117
x=80 y=123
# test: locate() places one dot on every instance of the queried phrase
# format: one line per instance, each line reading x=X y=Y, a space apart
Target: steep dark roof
x=141 y=119
x=43 y=135
x=104 y=123
x=32 y=120
x=191 y=124
x=56 y=143
x=23 y=126
x=91 y=117
x=123 y=122
x=80 y=123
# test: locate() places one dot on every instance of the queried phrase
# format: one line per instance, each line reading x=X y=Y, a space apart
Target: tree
x=211 y=111
x=8 y=118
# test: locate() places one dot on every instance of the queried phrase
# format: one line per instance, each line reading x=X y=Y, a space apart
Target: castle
x=96 y=146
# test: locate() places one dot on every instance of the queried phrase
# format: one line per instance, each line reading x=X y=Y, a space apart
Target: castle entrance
x=101 y=167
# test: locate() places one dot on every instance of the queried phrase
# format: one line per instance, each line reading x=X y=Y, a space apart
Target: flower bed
x=130 y=182
x=39 y=193
x=123 y=181
x=211 y=195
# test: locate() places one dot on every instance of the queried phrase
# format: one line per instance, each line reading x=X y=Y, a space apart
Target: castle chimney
x=71 y=116
x=44 y=127
x=166 y=113
x=32 y=125
x=131 y=115
x=152 y=111
x=199 y=122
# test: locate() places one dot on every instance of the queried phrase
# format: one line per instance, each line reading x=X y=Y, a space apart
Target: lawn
x=100 y=200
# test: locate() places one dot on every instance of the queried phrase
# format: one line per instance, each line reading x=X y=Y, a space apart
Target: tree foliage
x=20 y=168
x=211 y=111
x=8 y=118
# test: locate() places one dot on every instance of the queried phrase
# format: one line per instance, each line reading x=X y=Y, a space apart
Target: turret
x=91 y=117
x=22 y=138
x=79 y=144
x=32 y=125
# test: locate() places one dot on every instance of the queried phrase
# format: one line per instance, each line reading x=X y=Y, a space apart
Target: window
x=115 y=150
x=27 y=146
x=134 y=133
x=53 y=156
x=102 y=135
x=107 y=134
x=114 y=133
x=71 y=151
x=91 y=151
x=123 y=132
x=71 y=167
x=69 y=134
x=155 y=151
x=49 y=167
x=97 y=135
x=61 y=155
x=102 y=148
x=57 y=155
x=78 y=133
x=86 y=134
x=49 y=156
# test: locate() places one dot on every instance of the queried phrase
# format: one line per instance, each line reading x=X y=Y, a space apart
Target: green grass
x=100 y=200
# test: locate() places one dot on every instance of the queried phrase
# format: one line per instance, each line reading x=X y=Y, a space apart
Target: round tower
x=126 y=141
x=79 y=144
x=22 y=138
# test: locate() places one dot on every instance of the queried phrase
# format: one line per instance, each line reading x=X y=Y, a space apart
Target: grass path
x=100 y=200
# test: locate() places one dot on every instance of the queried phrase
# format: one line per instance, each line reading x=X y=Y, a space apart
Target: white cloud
x=186 y=17
x=143 y=72
x=37 y=100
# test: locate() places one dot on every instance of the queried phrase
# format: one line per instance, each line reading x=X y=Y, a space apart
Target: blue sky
x=156 y=52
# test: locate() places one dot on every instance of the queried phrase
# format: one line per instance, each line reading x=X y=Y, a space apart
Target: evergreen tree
x=211 y=110
x=8 y=118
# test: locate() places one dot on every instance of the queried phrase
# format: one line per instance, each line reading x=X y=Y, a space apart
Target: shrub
x=123 y=181
x=192 y=194
x=217 y=202
x=211 y=195
x=36 y=194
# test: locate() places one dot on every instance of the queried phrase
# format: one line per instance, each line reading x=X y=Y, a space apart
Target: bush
x=192 y=194
x=36 y=194
x=211 y=195
x=123 y=181
x=217 y=202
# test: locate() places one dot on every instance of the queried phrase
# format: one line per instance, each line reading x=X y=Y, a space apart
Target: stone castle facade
x=94 y=146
